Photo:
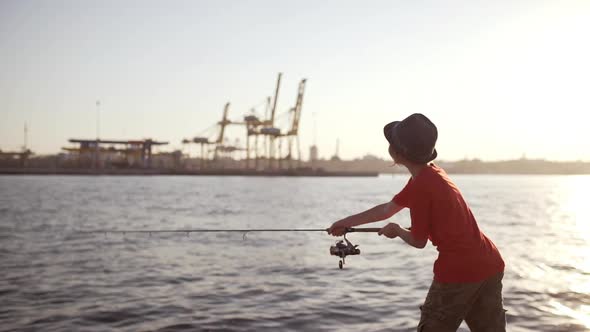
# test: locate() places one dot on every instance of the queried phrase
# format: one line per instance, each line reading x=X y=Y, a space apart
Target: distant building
x=313 y=153
x=370 y=157
x=336 y=156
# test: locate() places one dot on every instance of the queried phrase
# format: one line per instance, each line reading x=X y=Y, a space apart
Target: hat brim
x=432 y=156
x=422 y=160
x=388 y=131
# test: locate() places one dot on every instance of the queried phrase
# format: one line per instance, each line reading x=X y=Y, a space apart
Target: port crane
x=256 y=127
x=293 y=133
x=219 y=143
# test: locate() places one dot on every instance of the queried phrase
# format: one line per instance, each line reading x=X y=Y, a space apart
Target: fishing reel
x=342 y=249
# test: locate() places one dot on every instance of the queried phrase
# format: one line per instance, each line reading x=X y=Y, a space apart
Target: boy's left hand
x=338 y=228
x=390 y=230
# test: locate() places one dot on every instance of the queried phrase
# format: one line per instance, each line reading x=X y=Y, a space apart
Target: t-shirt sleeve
x=403 y=197
x=420 y=210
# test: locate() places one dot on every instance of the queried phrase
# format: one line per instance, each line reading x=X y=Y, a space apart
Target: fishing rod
x=244 y=230
x=342 y=248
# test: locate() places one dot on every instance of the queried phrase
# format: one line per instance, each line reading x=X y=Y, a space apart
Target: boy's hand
x=390 y=230
x=338 y=228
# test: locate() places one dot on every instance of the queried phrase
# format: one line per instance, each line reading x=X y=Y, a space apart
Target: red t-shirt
x=439 y=213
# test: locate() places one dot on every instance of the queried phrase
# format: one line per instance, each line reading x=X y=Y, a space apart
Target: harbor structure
x=272 y=147
x=15 y=158
x=97 y=153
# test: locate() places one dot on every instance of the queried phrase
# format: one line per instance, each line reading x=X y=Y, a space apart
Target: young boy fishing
x=468 y=272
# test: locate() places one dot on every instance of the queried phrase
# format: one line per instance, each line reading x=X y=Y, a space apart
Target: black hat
x=414 y=137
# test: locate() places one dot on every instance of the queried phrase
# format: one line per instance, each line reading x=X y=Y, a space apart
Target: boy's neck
x=415 y=169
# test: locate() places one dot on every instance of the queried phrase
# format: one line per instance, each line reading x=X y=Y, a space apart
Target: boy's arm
x=377 y=213
x=393 y=230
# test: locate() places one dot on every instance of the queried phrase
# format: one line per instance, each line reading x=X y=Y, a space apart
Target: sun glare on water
x=574 y=251
x=582 y=313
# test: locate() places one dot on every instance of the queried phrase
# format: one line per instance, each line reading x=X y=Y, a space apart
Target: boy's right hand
x=338 y=228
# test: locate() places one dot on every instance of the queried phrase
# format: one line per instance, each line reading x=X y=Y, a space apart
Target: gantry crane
x=222 y=124
x=256 y=127
x=296 y=116
x=269 y=130
x=219 y=147
x=273 y=134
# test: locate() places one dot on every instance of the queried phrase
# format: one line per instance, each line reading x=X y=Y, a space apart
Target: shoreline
x=247 y=172
x=206 y=172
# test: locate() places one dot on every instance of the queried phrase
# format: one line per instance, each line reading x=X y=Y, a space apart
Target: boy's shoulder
x=431 y=177
x=431 y=172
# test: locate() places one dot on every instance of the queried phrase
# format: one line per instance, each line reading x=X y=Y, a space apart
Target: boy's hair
x=414 y=137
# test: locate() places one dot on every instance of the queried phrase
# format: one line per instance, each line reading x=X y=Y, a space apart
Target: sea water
x=55 y=278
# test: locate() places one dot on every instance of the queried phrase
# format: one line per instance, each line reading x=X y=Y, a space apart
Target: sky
x=500 y=79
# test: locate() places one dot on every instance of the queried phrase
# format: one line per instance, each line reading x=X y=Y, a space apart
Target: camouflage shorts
x=479 y=304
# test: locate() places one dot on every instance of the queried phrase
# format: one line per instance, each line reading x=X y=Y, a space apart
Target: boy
x=468 y=273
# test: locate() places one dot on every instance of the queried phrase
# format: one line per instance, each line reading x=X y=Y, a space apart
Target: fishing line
x=341 y=249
